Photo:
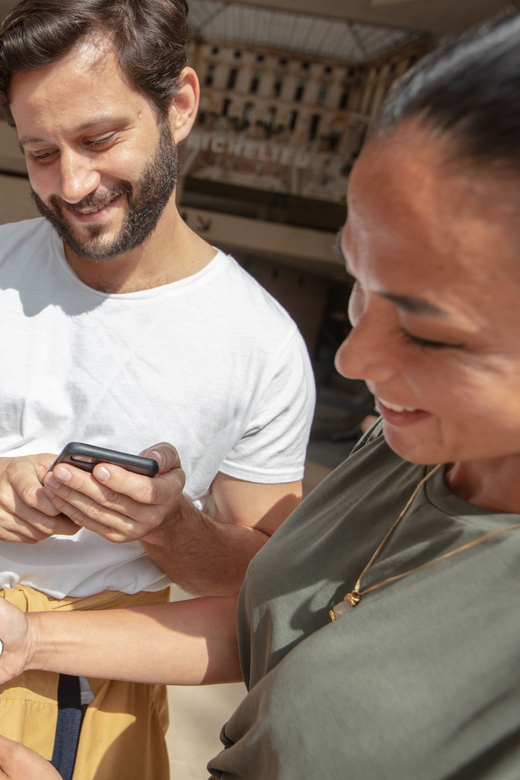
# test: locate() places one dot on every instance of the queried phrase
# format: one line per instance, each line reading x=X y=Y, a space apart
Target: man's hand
x=20 y=763
x=116 y=504
x=16 y=633
x=26 y=514
x=207 y=556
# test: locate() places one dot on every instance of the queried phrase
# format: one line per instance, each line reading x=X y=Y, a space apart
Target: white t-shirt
x=211 y=363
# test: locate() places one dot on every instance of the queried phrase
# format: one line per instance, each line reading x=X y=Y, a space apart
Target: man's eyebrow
x=25 y=139
x=98 y=120
x=414 y=305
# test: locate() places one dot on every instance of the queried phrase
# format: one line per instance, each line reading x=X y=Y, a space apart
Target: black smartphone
x=86 y=456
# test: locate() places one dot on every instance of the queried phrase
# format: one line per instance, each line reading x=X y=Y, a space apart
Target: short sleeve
x=273 y=446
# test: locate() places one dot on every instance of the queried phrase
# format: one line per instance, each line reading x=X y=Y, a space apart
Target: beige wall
x=15 y=200
x=11 y=157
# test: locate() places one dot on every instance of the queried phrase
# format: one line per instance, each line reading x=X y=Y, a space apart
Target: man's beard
x=146 y=201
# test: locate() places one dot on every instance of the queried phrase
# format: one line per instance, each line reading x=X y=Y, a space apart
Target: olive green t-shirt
x=421 y=681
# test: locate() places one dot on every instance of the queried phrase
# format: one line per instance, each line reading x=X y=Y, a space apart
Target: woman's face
x=435 y=251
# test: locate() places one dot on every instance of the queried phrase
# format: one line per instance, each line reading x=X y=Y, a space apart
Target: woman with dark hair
x=378 y=629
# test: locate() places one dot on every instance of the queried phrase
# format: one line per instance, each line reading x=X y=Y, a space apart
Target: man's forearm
x=183 y=643
x=202 y=555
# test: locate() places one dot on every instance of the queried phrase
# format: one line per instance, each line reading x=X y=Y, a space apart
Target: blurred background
x=289 y=91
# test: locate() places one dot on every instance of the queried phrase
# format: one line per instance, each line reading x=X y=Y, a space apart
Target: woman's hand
x=19 y=763
x=17 y=641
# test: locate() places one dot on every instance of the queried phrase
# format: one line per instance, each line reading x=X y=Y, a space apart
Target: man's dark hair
x=149 y=39
x=467 y=91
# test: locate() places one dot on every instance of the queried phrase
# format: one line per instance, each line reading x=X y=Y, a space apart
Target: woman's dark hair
x=468 y=91
x=149 y=38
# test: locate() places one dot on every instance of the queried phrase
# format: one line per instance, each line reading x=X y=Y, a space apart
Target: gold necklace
x=350 y=600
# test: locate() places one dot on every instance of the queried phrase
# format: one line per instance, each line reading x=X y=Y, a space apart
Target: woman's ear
x=185 y=104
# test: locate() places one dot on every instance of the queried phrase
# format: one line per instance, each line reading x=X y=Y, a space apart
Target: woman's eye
x=427 y=343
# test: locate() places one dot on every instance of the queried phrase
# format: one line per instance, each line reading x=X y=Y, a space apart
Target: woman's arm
x=183 y=643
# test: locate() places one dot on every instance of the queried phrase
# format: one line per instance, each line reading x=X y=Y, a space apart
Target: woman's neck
x=492 y=484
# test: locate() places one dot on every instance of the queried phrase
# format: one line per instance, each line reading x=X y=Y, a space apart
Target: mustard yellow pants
x=122 y=737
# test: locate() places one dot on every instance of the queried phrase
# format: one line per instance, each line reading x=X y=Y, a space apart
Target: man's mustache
x=95 y=201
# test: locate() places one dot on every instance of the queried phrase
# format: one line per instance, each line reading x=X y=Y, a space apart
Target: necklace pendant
x=345 y=606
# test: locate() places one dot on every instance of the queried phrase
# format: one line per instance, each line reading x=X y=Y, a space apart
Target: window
x=343 y=101
x=260 y=58
x=282 y=63
x=322 y=94
x=277 y=86
x=215 y=50
x=333 y=141
x=327 y=70
x=237 y=55
x=293 y=118
x=313 y=126
x=208 y=81
x=232 y=78
x=300 y=89
x=306 y=65
x=269 y=117
x=255 y=83
x=225 y=106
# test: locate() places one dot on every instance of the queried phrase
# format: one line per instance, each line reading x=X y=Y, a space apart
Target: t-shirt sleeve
x=273 y=446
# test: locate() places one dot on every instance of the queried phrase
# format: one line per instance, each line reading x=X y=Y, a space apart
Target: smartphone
x=86 y=456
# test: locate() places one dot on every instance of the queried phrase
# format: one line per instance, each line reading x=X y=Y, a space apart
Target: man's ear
x=185 y=104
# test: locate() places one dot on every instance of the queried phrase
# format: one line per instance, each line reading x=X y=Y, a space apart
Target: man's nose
x=78 y=177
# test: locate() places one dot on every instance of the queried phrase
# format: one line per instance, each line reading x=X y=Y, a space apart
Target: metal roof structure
x=309 y=34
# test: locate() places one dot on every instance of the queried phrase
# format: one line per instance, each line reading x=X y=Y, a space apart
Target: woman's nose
x=365 y=355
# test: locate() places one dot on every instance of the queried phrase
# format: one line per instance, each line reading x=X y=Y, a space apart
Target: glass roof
x=321 y=36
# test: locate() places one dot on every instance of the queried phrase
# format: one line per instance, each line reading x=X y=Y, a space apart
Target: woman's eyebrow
x=413 y=305
x=339 y=249
x=408 y=303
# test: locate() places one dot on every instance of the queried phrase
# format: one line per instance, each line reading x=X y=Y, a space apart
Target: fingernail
x=52 y=482
x=102 y=473
x=63 y=474
x=158 y=456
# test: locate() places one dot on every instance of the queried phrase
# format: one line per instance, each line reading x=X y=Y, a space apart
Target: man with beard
x=123 y=327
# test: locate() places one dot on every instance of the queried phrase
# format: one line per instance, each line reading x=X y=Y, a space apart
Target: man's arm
x=204 y=555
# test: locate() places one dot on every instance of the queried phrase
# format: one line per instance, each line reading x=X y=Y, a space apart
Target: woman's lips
x=396 y=414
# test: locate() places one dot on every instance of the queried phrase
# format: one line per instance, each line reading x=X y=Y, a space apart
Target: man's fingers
x=165 y=454
x=112 y=485
x=15 y=529
x=115 y=503
x=28 y=494
x=86 y=494
x=111 y=526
